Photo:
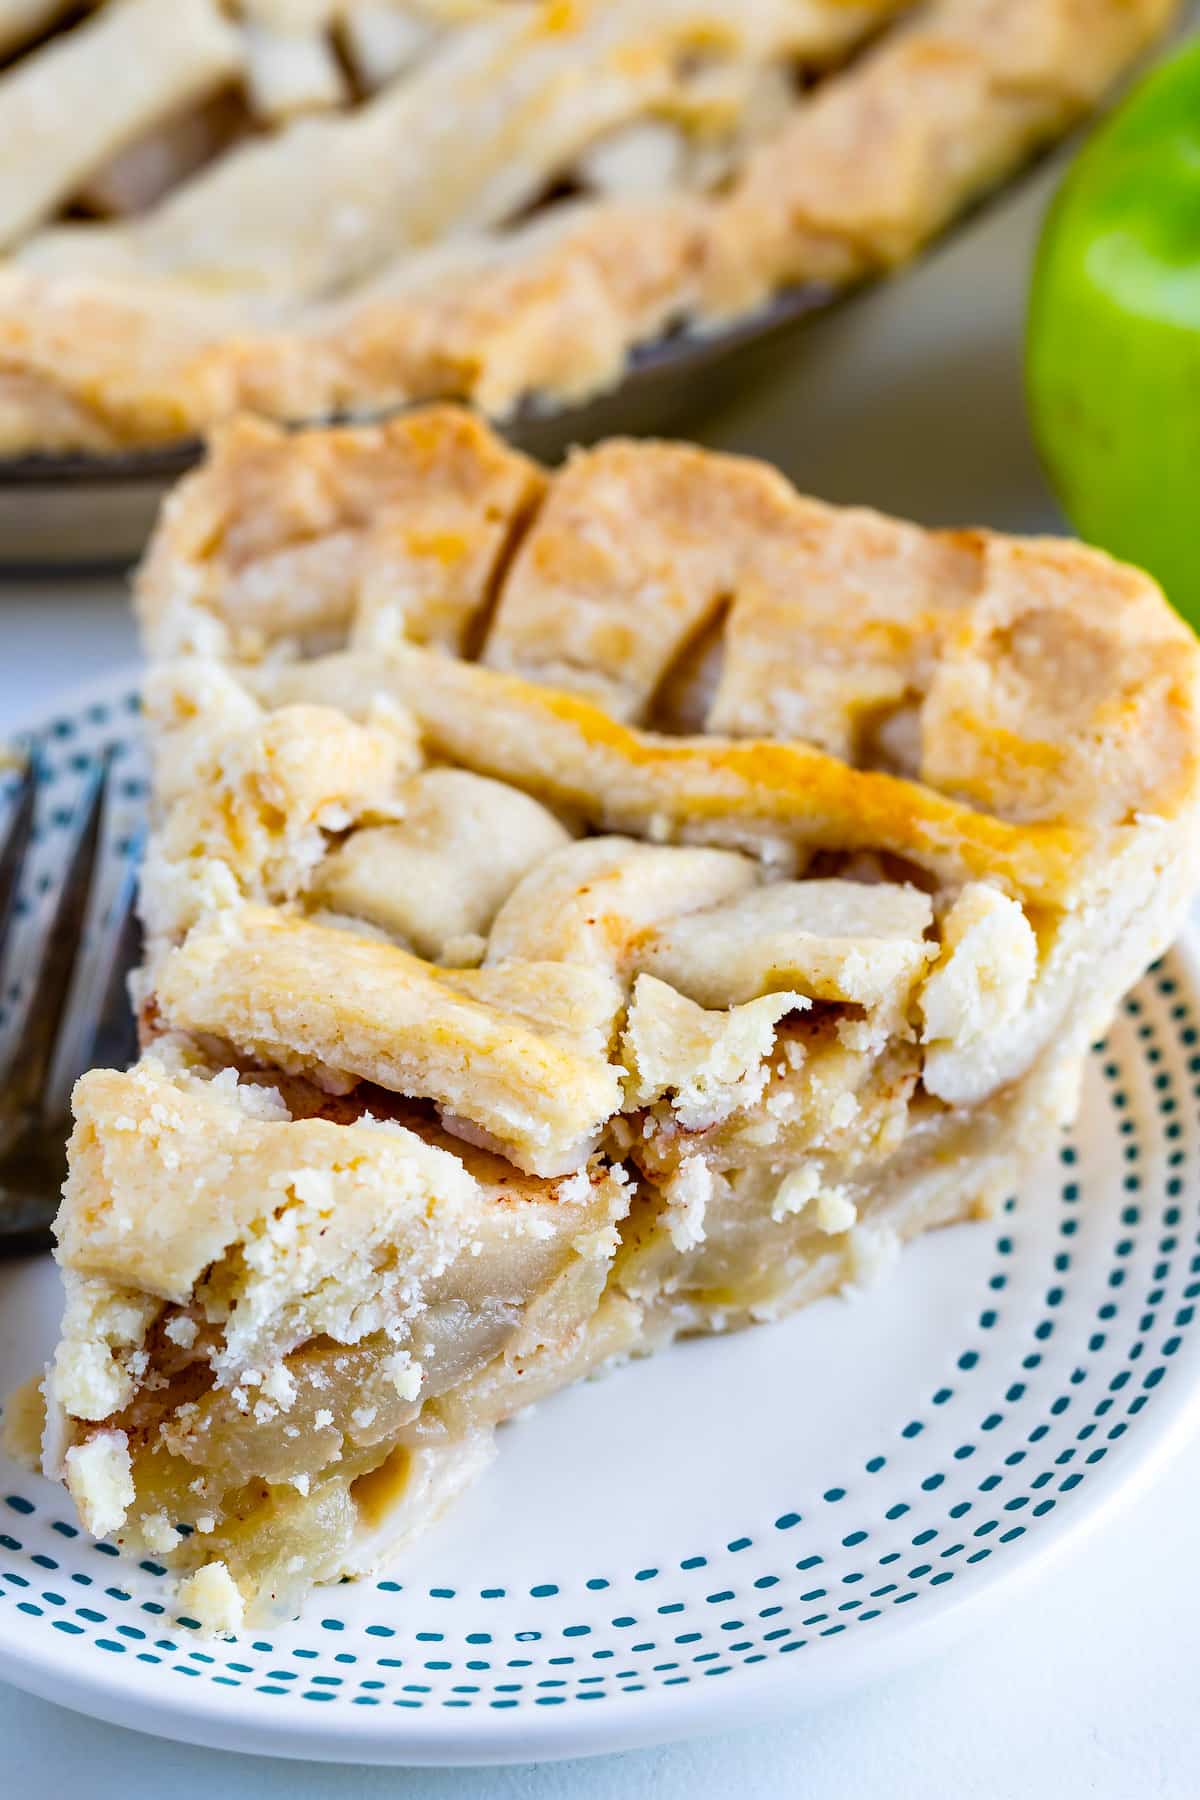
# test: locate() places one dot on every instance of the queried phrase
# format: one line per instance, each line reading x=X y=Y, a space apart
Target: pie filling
x=633 y=912
x=307 y=1403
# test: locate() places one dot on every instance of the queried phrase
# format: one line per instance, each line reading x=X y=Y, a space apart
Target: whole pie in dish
x=581 y=910
x=306 y=207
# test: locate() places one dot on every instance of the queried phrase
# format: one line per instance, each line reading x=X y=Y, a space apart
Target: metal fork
x=72 y=1011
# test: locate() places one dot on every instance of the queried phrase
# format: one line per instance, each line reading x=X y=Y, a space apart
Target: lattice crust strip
x=652 y=597
x=667 y=646
x=582 y=908
x=305 y=206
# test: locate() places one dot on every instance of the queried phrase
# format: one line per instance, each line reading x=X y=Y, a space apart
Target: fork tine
x=100 y=1030
x=34 y=1049
x=17 y=831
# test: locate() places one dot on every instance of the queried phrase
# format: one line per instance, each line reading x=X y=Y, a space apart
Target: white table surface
x=910 y=400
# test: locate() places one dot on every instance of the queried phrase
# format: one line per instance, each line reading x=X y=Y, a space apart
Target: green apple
x=1113 y=349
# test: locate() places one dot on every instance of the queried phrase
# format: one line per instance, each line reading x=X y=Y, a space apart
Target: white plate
x=738 y=1528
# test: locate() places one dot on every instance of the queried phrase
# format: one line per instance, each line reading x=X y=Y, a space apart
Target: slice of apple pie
x=581 y=909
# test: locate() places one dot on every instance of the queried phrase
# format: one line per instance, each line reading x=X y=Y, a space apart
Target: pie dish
x=315 y=207
x=581 y=910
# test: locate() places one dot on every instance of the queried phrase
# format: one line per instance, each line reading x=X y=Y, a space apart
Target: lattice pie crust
x=309 y=207
x=581 y=909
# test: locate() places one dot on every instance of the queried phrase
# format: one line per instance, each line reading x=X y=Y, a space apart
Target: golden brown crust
x=519 y=1051
x=960 y=709
x=412 y=516
x=1010 y=723
x=574 y=755
x=1048 y=694
x=123 y=350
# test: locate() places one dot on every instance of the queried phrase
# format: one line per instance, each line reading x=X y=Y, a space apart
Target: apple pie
x=315 y=207
x=581 y=909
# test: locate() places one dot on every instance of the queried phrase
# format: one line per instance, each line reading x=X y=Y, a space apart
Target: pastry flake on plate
x=582 y=909
x=337 y=206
